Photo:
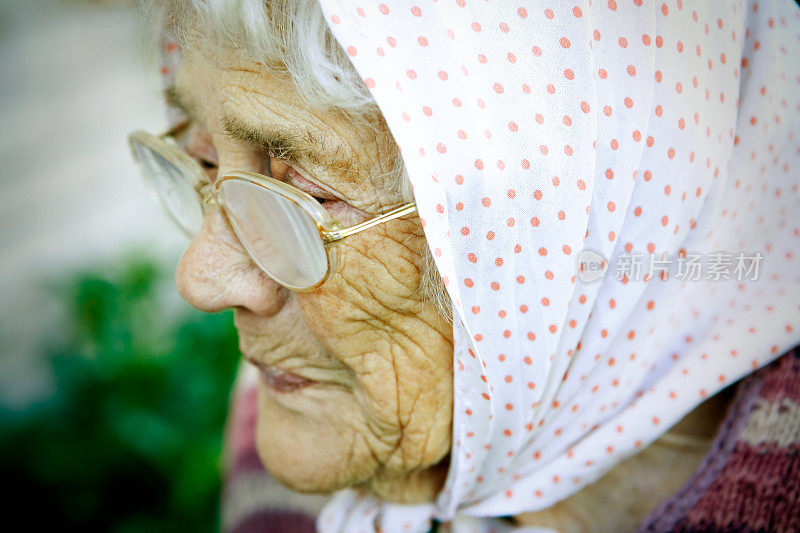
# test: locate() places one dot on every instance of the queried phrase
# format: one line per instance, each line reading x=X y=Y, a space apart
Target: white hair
x=292 y=36
x=278 y=32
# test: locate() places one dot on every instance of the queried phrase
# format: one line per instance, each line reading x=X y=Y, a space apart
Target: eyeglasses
x=286 y=231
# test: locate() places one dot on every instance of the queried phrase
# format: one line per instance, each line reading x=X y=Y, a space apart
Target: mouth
x=279 y=380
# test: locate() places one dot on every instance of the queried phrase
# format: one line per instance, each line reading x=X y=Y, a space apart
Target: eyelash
x=290 y=162
x=206 y=164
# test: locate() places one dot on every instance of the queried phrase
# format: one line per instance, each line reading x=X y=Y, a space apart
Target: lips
x=280 y=380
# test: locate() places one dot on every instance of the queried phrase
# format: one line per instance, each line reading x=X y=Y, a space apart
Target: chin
x=312 y=441
x=309 y=439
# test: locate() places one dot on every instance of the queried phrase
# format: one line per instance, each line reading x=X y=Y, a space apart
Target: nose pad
x=216 y=273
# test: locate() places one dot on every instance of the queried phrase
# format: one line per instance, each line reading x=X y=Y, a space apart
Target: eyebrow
x=289 y=144
x=296 y=146
x=277 y=143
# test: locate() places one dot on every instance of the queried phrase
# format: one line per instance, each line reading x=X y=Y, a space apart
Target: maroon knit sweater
x=750 y=480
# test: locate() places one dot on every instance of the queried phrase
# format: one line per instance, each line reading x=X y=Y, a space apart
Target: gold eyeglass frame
x=331 y=232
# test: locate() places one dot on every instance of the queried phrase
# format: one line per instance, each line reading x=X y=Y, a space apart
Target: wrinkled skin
x=380 y=412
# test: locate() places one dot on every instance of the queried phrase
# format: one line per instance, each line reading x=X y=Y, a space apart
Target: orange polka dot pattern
x=532 y=131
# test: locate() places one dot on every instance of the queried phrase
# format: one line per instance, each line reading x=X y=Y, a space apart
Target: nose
x=215 y=272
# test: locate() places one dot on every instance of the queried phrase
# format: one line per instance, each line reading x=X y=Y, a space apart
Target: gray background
x=76 y=78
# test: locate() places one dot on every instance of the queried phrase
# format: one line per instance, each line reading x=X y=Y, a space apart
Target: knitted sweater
x=750 y=480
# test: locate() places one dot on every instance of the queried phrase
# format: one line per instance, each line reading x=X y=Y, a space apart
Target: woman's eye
x=198 y=144
x=296 y=179
x=209 y=167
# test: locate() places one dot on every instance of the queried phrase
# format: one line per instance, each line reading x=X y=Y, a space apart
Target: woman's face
x=356 y=384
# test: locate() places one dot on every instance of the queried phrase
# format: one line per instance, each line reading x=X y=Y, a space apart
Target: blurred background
x=113 y=392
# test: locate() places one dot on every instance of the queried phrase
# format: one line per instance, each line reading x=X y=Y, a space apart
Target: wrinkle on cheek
x=409 y=437
x=389 y=258
x=382 y=411
x=374 y=293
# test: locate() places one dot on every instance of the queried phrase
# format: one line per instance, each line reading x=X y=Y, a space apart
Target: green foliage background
x=131 y=439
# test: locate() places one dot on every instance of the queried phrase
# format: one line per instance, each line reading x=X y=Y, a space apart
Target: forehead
x=260 y=105
x=354 y=154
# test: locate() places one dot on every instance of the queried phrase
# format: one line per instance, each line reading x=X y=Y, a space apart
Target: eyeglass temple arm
x=333 y=236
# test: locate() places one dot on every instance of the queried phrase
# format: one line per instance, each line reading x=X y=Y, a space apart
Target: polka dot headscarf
x=553 y=148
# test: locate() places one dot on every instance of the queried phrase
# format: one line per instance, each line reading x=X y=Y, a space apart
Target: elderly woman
x=600 y=237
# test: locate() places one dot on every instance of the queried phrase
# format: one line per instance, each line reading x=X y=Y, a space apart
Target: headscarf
x=544 y=137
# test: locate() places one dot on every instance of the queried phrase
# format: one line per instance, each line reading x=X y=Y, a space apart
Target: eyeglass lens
x=171 y=186
x=277 y=233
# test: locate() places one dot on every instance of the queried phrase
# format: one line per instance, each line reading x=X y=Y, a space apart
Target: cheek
x=374 y=292
x=320 y=443
x=377 y=270
x=388 y=263
x=371 y=316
